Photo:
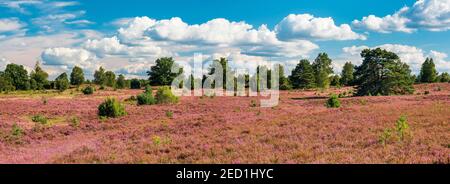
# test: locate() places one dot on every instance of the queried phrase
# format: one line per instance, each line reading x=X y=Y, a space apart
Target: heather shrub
x=165 y=96
x=89 y=90
x=111 y=108
x=333 y=102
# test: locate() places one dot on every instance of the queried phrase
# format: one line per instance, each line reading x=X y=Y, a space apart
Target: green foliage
x=444 y=77
x=135 y=84
x=165 y=96
x=322 y=70
x=146 y=99
x=333 y=101
x=5 y=83
x=302 y=76
x=402 y=128
x=74 y=122
x=121 y=82
x=169 y=114
x=15 y=134
x=335 y=80
x=111 y=108
x=347 y=75
x=156 y=140
x=110 y=79
x=222 y=63
x=39 y=119
x=428 y=73
x=89 y=90
x=77 y=76
x=62 y=82
x=17 y=76
x=383 y=73
x=99 y=76
x=38 y=77
x=161 y=73
x=386 y=136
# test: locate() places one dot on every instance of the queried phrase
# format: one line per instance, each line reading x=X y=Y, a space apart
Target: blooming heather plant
x=111 y=108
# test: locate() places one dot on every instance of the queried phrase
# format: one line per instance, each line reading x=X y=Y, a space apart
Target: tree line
x=381 y=73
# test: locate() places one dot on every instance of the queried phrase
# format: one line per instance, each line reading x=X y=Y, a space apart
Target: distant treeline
x=381 y=73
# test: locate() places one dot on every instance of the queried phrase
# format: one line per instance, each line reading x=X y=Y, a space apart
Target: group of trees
x=381 y=73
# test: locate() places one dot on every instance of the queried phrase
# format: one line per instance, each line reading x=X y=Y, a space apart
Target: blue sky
x=127 y=36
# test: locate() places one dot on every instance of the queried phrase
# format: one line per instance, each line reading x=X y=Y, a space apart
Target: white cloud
x=66 y=58
x=411 y=55
x=432 y=15
x=10 y=25
x=306 y=26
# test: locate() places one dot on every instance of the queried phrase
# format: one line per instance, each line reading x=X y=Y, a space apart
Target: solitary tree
x=62 y=82
x=303 y=76
x=38 y=77
x=77 y=76
x=383 y=73
x=322 y=70
x=17 y=76
x=428 y=71
x=161 y=73
x=347 y=74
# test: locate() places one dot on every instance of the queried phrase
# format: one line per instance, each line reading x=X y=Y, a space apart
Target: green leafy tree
x=302 y=77
x=444 y=77
x=322 y=70
x=161 y=73
x=428 y=71
x=62 y=82
x=110 y=79
x=38 y=77
x=17 y=76
x=77 y=76
x=5 y=83
x=135 y=84
x=383 y=73
x=335 y=80
x=99 y=76
x=347 y=74
x=121 y=82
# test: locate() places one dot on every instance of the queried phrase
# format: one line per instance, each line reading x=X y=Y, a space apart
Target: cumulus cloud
x=306 y=26
x=10 y=25
x=432 y=15
x=69 y=57
x=411 y=55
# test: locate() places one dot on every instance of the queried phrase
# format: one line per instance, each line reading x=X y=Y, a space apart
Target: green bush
x=39 y=119
x=88 y=90
x=75 y=122
x=135 y=84
x=333 y=102
x=145 y=99
x=402 y=128
x=169 y=114
x=111 y=108
x=165 y=96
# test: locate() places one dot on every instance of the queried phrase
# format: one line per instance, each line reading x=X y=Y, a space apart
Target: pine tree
x=347 y=74
x=428 y=71
x=302 y=77
x=322 y=70
x=38 y=77
x=383 y=73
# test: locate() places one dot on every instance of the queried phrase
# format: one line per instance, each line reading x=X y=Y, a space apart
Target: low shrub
x=169 y=114
x=333 y=102
x=89 y=90
x=39 y=119
x=145 y=99
x=111 y=108
x=385 y=136
x=402 y=128
x=135 y=84
x=74 y=122
x=165 y=96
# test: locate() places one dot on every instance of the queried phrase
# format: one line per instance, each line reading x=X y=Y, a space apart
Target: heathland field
x=52 y=127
